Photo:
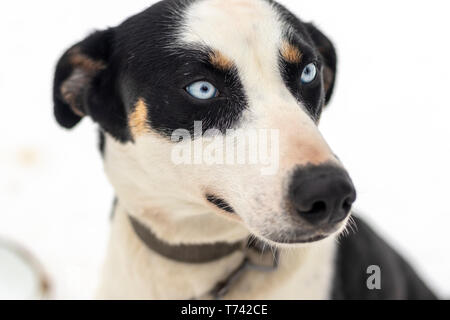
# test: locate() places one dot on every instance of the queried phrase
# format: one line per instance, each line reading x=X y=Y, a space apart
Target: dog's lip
x=293 y=242
x=309 y=239
x=220 y=203
x=305 y=237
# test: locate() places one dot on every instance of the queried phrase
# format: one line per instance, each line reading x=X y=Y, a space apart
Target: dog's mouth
x=292 y=238
x=220 y=203
x=301 y=236
x=301 y=240
x=304 y=238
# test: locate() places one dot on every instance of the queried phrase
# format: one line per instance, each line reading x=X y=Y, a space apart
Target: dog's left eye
x=309 y=73
x=202 y=90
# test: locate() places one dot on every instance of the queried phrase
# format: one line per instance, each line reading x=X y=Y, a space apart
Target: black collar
x=186 y=253
x=203 y=253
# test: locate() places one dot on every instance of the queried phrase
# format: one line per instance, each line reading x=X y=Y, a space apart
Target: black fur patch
x=310 y=94
x=159 y=69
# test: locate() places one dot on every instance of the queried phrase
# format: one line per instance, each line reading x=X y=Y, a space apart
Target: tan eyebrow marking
x=291 y=53
x=220 y=61
x=138 y=121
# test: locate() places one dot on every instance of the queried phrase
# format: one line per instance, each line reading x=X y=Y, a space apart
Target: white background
x=388 y=122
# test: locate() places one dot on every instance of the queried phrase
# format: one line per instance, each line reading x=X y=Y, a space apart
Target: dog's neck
x=132 y=270
x=142 y=273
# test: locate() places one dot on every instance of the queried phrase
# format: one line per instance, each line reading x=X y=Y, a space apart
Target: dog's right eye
x=202 y=90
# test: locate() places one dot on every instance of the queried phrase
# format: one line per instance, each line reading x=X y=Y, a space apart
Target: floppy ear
x=328 y=52
x=76 y=74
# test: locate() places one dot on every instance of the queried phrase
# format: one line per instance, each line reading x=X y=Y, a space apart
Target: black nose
x=321 y=194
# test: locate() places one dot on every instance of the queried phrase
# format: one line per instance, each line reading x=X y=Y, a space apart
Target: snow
x=388 y=122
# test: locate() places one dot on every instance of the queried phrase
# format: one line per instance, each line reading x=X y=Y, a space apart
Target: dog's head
x=209 y=109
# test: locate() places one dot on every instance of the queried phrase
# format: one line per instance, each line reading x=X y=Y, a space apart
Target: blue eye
x=202 y=90
x=309 y=73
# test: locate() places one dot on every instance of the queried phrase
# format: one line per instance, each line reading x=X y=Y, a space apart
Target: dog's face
x=238 y=67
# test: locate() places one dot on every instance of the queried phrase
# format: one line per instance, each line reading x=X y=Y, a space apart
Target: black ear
x=328 y=53
x=76 y=72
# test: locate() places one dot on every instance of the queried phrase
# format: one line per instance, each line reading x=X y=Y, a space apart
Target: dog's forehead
x=236 y=28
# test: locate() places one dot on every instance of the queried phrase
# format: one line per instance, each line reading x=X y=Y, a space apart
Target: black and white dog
x=199 y=230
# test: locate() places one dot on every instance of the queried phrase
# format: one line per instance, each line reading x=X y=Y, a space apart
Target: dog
x=221 y=230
